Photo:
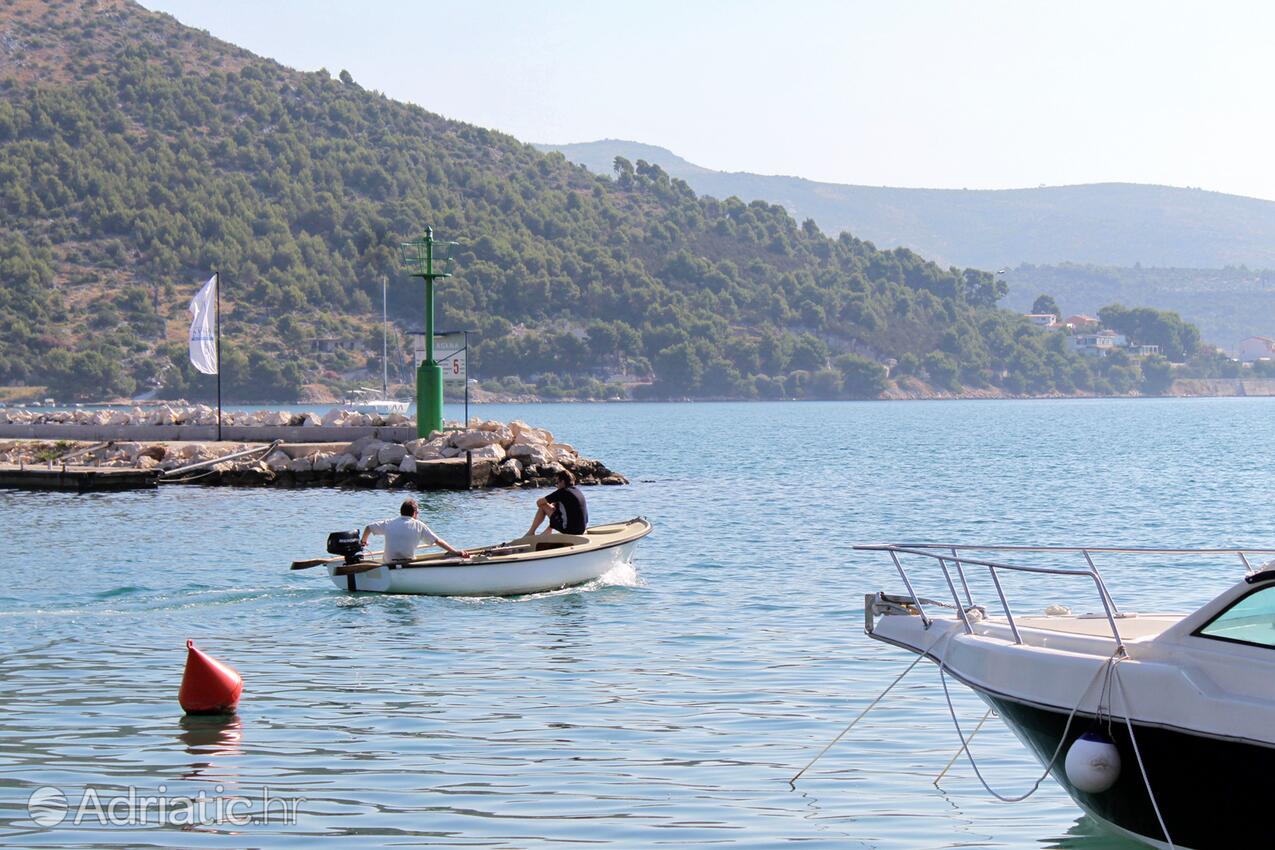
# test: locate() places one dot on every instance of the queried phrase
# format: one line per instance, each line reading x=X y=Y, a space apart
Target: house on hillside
x=329 y=344
x=1097 y=344
x=1143 y=350
x=1256 y=348
x=1082 y=322
x=1044 y=320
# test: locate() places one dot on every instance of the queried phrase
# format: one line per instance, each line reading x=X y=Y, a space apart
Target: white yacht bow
x=1182 y=703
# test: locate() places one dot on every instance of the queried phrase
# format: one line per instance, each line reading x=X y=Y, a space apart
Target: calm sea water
x=664 y=708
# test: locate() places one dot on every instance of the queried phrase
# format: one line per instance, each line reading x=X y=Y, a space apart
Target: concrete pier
x=461 y=473
x=206 y=433
x=76 y=479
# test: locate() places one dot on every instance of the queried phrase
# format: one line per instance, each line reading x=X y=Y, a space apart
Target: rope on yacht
x=864 y=713
x=957 y=754
x=1111 y=680
x=1057 y=750
x=1110 y=675
x=1128 y=710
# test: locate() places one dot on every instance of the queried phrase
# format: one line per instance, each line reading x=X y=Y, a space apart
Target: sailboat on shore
x=369 y=399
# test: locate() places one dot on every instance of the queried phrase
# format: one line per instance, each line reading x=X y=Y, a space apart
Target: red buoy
x=208 y=686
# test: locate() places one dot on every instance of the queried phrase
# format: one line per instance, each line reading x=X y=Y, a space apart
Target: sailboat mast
x=385 y=344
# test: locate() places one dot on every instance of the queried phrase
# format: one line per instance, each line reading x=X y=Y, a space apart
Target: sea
x=668 y=705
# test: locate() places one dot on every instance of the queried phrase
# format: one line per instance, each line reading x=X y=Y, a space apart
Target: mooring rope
x=958 y=752
x=1057 y=750
x=189 y=478
x=1128 y=710
x=862 y=714
x=1111 y=675
x=1107 y=672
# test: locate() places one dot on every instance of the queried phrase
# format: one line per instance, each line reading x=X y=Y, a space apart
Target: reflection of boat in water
x=530 y=564
x=1086 y=834
x=1176 y=712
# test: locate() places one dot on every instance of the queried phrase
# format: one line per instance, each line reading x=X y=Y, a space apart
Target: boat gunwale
x=527 y=557
x=985 y=689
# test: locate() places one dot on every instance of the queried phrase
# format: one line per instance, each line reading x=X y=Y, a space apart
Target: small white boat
x=1160 y=726
x=375 y=405
x=533 y=564
x=378 y=402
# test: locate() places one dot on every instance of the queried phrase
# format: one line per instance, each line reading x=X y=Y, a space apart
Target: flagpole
x=218 y=287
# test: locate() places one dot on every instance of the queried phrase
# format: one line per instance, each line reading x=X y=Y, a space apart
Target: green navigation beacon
x=420 y=259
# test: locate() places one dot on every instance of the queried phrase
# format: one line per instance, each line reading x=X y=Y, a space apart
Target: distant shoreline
x=1181 y=388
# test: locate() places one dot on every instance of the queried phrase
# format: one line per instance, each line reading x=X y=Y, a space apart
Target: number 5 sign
x=449 y=352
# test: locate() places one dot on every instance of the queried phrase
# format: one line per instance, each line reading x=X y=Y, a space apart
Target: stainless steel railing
x=945 y=552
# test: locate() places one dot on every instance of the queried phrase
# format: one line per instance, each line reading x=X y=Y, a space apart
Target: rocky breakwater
x=484 y=454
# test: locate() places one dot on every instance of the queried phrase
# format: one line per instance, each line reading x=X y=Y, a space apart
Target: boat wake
x=623 y=575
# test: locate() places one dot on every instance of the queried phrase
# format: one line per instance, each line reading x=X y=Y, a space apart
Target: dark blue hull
x=1209 y=789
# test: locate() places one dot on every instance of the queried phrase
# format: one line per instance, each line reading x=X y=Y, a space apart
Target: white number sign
x=449 y=351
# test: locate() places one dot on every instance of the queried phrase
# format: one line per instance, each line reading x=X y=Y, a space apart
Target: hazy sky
x=977 y=93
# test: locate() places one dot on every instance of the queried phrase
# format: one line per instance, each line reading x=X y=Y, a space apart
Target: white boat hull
x=512 y=578
x=377 y=407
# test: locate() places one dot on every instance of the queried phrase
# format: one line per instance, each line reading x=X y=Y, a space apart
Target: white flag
x=203 y=328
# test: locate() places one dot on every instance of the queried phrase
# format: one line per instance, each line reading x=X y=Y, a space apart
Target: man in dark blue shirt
x=564 y=507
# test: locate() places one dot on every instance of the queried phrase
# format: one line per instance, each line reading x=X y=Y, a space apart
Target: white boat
x=531 y=564
x=369 y=400
x=1175 y=712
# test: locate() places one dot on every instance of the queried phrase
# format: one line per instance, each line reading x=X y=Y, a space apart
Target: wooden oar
x=317 y=562
x=449 y=562
x=355 y=569
x=313 y=562
x=368 y=566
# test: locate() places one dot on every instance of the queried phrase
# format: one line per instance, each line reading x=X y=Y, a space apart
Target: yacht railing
x=944 y=553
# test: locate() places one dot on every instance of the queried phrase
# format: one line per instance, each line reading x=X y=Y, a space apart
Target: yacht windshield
x=1250 y=620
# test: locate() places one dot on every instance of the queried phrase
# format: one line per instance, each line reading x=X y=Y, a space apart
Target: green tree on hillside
x=861 y=377
x=1157 y=375
x=1145 y=326
x=1046 y=305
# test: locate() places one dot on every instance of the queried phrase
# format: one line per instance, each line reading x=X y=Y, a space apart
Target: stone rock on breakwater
x=484 y=454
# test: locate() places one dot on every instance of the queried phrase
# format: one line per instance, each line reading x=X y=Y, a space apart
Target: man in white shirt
x=404 y=533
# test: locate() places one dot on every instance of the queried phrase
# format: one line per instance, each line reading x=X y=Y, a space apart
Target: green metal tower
x=419 y=259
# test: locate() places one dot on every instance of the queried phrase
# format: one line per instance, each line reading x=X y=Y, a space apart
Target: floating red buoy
x=208 y=686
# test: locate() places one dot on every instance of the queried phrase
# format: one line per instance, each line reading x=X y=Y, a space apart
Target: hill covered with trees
x=138 y=155
x=1109 y=224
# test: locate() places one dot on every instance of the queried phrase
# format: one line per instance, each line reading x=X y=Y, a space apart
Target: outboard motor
x=346 y=544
